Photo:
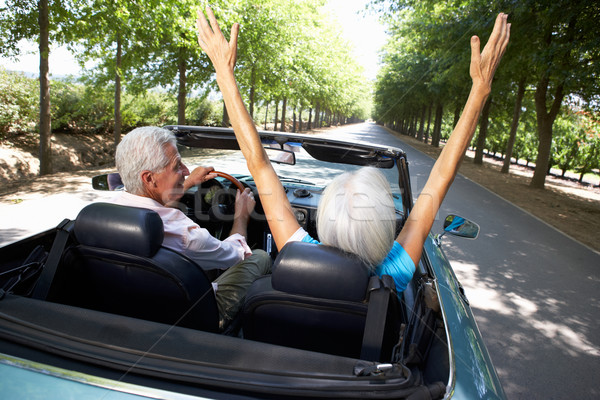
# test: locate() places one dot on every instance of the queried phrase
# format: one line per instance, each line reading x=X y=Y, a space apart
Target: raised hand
x=482 y=69
x=222 y=54
x=484 y=64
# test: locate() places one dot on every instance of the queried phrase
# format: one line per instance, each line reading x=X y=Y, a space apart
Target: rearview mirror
x=281 y=156
x=108 y=182
x=459 y=226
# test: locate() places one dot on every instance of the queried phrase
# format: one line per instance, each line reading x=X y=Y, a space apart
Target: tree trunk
x=428 y=123
x=483 y=128
x=45 y=152
x=283 y=108
x=309 y=126
x=456 y=115
x=300 y=119
x=225 y=121
x=437 y=126
x=422 y=123
x=252 y=90
x=545 y=118
x=294 y=120
x=266 y=115
x=545 y=121
x=276 y=114
x=416 y=121
x=182 y=94
x=512 y=136
x=118 y=122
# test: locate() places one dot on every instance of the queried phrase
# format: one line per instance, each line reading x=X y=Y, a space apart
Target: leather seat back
x=315 y=300
x=118 y=265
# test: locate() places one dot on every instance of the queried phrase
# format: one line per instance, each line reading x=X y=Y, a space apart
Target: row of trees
x=82 y=108
x=289 y=53
x=547 y=83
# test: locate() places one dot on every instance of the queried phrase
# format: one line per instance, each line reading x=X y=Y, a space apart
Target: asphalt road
x=534 y=291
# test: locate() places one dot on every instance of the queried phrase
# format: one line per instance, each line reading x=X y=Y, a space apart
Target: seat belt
x=380 y=290
x=63 y=231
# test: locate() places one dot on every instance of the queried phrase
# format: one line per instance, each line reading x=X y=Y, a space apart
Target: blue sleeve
x=399 y=266
x=309 y=239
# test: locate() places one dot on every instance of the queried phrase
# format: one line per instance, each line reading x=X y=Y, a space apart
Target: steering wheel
x=215 y=204
x=231 y=179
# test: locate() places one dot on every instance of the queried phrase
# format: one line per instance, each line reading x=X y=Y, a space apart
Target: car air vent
x=301 y=192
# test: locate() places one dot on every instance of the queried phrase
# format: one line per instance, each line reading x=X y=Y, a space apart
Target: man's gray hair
x=142 y=149
x=357 y=214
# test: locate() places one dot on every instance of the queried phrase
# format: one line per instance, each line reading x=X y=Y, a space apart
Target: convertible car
x=96 y=307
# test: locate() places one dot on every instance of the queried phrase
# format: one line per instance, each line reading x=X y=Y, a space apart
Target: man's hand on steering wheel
x=244 y=204
x=197 y=176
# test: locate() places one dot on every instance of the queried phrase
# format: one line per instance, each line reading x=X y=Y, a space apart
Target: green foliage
x=18 y=102
x=201 y=111
x=554 y=50
x=526 y=143
x=285 y=55
x=18 y=21
x=566 y=143
x=588 y=156
x=153 y=108
x=84 y=108
x=78 y=108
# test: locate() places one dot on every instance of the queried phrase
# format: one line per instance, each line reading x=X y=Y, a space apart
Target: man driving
x=154 y=177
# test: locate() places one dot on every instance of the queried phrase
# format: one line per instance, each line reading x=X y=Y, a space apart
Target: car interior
x=110 y=280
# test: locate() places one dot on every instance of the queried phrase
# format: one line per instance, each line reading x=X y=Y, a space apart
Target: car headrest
x=131 y=230
x=320 y=271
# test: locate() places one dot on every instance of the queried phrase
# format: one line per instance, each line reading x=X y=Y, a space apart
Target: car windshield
x=307 y=169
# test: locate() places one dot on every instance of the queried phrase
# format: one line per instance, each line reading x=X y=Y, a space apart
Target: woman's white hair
x=357 y=215
x=142 y=149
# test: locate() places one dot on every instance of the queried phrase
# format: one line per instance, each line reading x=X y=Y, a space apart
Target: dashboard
x=212 y=206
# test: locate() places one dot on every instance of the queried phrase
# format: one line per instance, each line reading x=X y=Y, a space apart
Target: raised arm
x=272 y=195
x=482 y=69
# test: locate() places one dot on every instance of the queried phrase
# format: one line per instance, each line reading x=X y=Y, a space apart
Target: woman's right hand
x=276 y=205
x=222 y=54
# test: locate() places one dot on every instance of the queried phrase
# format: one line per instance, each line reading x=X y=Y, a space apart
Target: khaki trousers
x=235 y=282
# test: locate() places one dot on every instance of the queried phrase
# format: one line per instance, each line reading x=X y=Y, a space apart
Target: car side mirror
x=108 y=182
x=459 y=226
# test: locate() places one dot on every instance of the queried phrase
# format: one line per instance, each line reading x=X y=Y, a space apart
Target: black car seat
x=117 y=264
x=316 y=299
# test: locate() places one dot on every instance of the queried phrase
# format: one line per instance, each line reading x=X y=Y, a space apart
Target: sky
x=364 y=31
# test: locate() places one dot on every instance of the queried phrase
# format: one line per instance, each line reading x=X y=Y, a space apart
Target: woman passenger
x=356 y=214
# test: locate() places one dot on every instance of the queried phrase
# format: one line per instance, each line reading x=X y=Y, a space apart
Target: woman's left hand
x=484 y=63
